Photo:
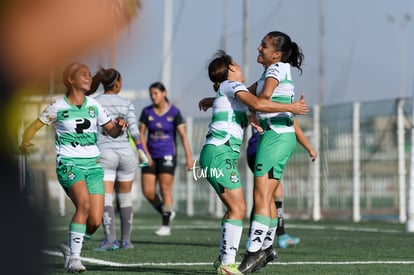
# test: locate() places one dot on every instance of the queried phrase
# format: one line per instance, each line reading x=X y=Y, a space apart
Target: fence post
x=356 y=161
x=189 y=180
x=316 y=183
x=410 y=221
x=401 y=161
x=62 y=202
x=211 y=201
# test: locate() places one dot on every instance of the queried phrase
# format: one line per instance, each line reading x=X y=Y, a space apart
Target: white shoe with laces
x=163 y=231
x=75 y=266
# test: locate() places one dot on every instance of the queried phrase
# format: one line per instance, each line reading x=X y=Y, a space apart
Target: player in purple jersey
x=159 y=125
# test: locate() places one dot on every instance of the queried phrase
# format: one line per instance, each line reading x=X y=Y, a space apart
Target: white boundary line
x=343 y=228
x=343 y=263
x=210 y=225
x=296 y=226
x=115 y=264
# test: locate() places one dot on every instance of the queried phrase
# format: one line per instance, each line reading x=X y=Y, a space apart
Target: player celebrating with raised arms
x=277 y=53
x=222 y=147
x=76 y=119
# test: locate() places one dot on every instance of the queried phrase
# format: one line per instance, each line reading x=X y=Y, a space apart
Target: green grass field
x=327 y=247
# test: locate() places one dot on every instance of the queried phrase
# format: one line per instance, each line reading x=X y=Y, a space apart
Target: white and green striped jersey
x=117 y=106
x=280 y=122
x=229 y=116
x=76 y=127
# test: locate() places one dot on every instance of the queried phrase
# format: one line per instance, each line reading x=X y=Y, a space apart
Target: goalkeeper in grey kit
x=118 y=159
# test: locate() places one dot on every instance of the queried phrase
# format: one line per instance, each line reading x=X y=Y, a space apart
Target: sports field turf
x=327 y=247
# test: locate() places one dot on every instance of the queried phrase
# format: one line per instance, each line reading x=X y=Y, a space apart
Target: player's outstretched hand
x=300 y=107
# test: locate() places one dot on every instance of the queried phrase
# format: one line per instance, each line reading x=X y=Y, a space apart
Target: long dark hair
x=107 y=77
x=158 y=85
x=218 y=69
x=291 y=53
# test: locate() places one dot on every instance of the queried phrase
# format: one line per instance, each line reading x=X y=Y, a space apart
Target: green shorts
x=70 y=171
x=218 y=164
x=273 y=152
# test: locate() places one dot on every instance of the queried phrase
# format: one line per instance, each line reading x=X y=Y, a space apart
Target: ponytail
x=106 y=77
x=296 y=57
x=291 y=53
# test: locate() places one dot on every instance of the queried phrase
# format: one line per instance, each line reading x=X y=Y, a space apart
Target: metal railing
x=360 y=174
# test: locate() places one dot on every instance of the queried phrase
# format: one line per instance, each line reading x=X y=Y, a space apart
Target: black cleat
x=271 y=255
x=252 y=261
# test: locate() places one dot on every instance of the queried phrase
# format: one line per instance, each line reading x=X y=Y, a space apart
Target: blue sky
x=366 y=56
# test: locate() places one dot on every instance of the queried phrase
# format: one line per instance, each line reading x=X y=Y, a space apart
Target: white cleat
x=75 y=266
x=163 y=231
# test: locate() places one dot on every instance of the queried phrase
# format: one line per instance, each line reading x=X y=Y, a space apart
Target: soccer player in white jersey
x=219 y=155
x=76 y=118
x=118 y=159
x=277 y=53
x=283 y=239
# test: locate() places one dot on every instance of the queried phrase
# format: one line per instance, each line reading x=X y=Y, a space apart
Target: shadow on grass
x=149 y=270
x=99 y=269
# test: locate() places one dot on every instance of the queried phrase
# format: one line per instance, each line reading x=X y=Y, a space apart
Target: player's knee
x=84 y=207
x=237 y=211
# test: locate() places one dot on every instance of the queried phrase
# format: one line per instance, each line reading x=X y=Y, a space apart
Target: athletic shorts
x=119 y=164
x=218 y=164
x=273 y=153
x=166 y=165
x=70 y=171
x=251 y=159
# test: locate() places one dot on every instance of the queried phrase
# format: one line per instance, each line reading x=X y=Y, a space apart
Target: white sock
x=257 y=236
x=231 y=235
x=76 y=240
x=270 y=237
